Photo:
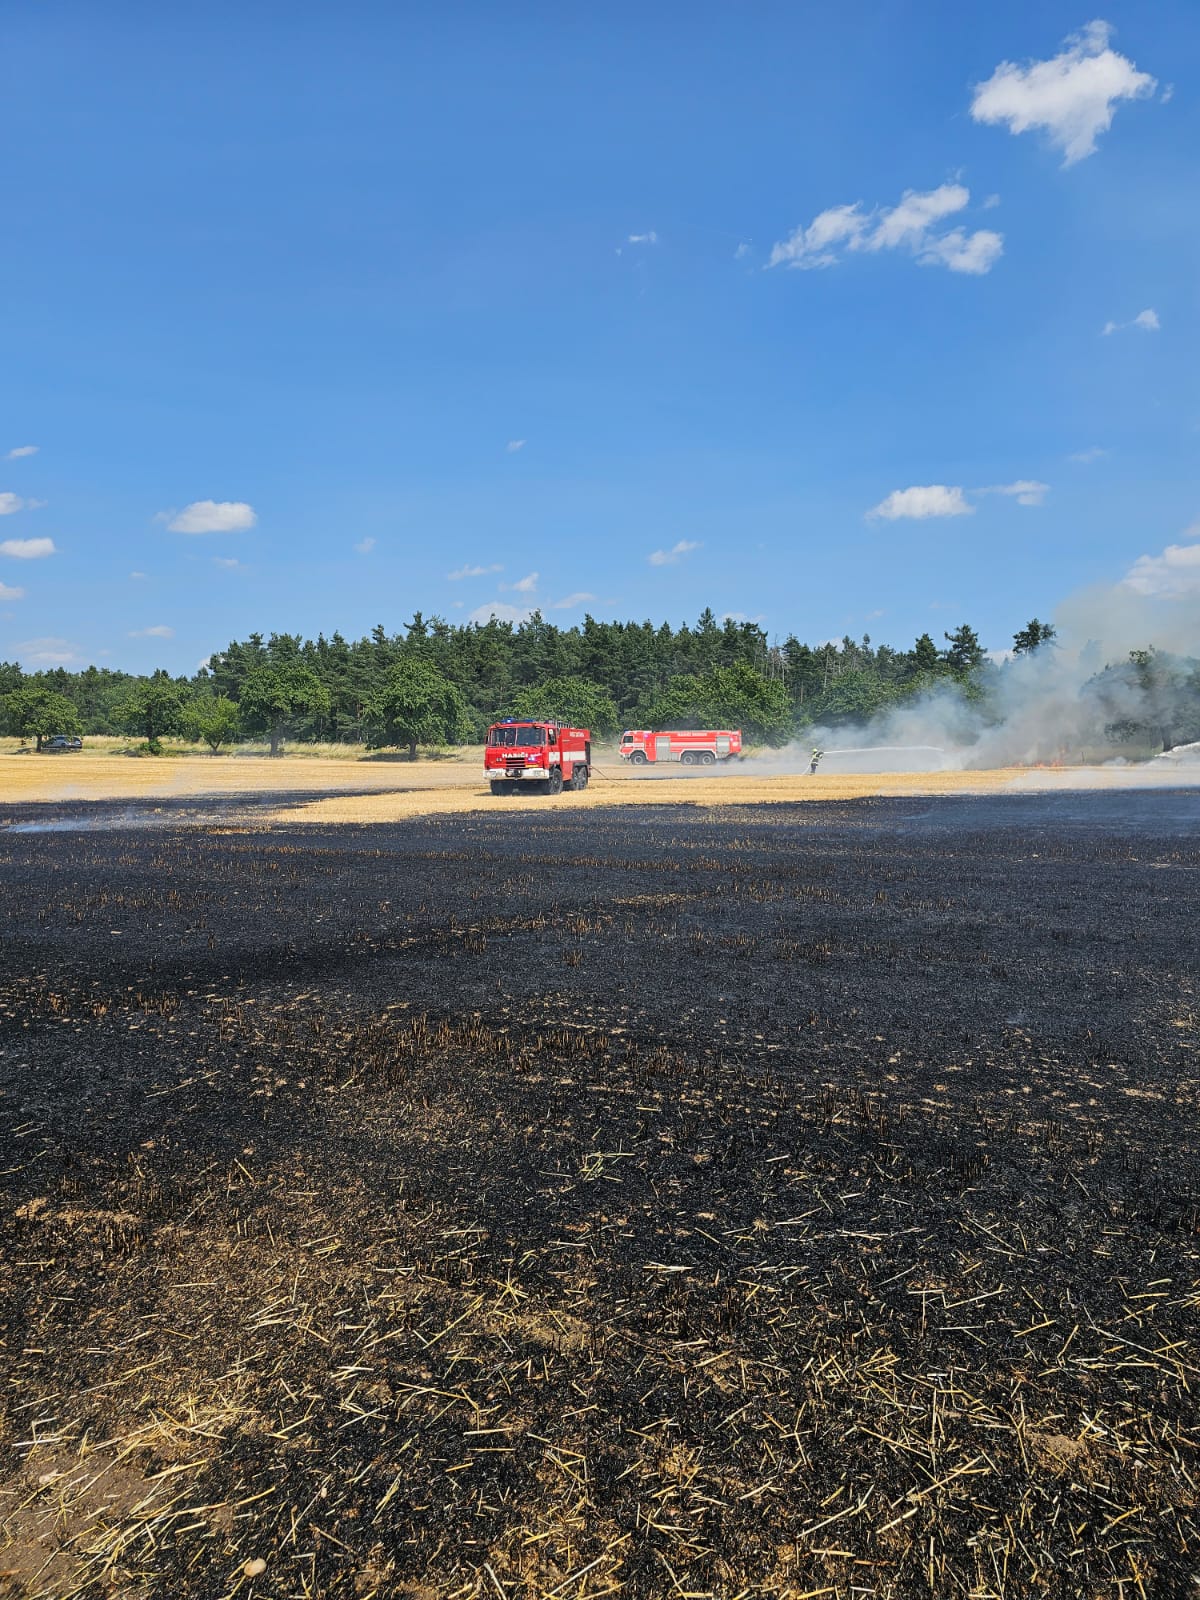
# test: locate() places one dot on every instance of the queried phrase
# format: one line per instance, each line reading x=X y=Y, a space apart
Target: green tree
x=925 y=655
x=416 y=705
x=570 y=700
x=725 y=697
x=273 y=697
x=213 y=718
x=1032 y=637
x=31 y=712
x=152 y=708
x=964 y=651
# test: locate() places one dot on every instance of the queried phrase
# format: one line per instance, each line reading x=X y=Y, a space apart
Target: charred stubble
x=774 y=1201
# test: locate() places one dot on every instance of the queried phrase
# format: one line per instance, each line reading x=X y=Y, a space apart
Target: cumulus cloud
x=12 y=503
x=28 y=549
x=211 y=516
x=48 y=652
x=1072 y=97
x=911 y=225
x=643 y=238
x=921 y=501
x=158 y=631
x=473 y=572
x=514 y=445
x=571 y=601
x=8 y=592
x=742 y=251
x=1172 y=574
x=668 y=558
x=525 y=585
x=1146 y=320
x=21 y=450
x=500 y=611
x=365 y=546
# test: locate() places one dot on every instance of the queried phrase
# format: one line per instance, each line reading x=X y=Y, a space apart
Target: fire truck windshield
x=520 y=734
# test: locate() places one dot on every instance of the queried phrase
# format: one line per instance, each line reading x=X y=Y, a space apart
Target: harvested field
x=778 y=1200
x=383 y=789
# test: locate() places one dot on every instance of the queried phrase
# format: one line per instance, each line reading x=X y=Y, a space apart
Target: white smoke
x=1041 y=708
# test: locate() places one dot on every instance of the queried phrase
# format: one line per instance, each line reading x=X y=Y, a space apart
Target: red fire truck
x=691 y=746
x=543 y=755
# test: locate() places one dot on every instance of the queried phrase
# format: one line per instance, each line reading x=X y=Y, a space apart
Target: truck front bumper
x=497 y=775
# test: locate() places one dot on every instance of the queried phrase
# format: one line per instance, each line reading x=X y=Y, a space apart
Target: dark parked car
x=62 y=741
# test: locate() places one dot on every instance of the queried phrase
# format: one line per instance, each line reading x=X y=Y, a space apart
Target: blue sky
x=381 y=294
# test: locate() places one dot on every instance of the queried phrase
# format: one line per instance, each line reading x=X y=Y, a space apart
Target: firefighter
x=816 y=757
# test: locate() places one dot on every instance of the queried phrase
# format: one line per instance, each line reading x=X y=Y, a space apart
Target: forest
x=438 y=683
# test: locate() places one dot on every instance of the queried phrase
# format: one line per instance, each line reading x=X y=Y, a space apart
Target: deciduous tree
x=273 y=696
x=35 y=713
x=571 y=700
x=417 y=705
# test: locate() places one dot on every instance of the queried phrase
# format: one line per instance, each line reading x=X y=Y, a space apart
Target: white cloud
x=514 y=445
x=1146 y=320
x=975 y=253
x=28 y=549
x=21 y=450
x=7 y=592
x=1086 y=457
x=666 y=558
x=910 y=225
x=47 y=653
x=739 y=616
x=502 y=613
x=1072 y=97
x=10 y=504
x=365 y=546
x=158 y=631
x=473 y=572
x=571 y=601
x=525 y=585
x=910 y=221
x=228 y=562
x=921 y=501
x=814 y=246
x=742 y=251
x=137 y=574
x=1026 y=491
x=1170 y=575
x=211 y=516
x=644 y=238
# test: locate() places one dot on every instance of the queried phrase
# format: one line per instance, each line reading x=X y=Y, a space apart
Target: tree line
x=439 y=683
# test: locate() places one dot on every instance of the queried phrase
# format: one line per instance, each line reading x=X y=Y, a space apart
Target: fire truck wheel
x=638 y=758
x=579 y=778
x=554 y=781
x=502 y=788
x=707 y=758
x=687 y=758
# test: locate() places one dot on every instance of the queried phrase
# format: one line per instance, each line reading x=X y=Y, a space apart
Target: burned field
x=799 y=1200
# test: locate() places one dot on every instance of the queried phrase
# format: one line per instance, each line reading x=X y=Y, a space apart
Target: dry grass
x=358 y=788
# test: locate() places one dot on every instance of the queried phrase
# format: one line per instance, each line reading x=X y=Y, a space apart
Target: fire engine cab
x=545 y=755
x=691 y=746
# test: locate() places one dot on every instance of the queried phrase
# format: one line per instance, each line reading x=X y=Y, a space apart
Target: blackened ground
x=778 y=1201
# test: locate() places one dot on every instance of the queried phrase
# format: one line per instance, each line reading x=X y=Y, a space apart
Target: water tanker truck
x=690 y=746
x=548 y=757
